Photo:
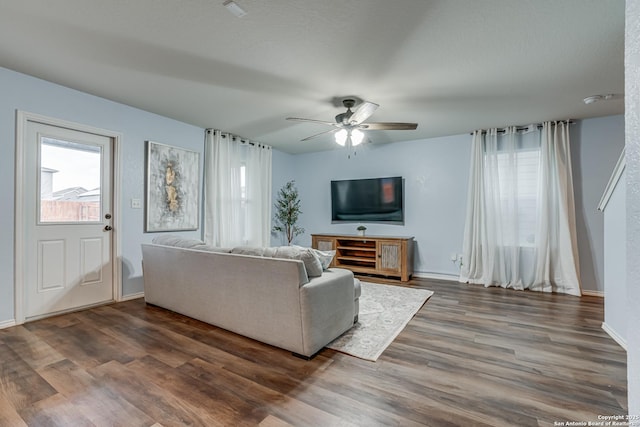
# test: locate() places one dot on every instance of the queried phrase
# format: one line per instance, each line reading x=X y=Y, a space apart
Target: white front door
x=67 y=218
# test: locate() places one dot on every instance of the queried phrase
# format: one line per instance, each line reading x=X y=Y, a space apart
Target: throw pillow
x=325 y=257
x=311 y=262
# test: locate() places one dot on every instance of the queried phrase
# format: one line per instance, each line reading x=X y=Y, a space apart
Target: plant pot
x=361 y=233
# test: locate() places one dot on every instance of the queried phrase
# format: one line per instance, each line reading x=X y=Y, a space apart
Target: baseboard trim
x=436 y=276
x=131 y=296
x=613 y=334
x=7 y=324
x=455 y=278
x=599 y=294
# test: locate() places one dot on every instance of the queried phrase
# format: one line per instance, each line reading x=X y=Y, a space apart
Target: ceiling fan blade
x=363 y=112
x=322 y=122
x=389 y=126
x=319 y=134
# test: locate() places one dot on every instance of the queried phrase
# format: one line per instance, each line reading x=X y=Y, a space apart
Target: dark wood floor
x=471 y=356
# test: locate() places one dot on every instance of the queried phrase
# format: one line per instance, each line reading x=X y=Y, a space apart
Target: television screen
x=367 y=200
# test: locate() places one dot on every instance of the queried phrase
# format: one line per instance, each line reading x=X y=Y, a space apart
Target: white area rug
x=384 y=312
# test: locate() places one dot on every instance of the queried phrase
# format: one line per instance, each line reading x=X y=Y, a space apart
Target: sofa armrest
x=327 y=308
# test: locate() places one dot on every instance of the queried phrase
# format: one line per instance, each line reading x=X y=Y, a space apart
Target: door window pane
x=69 y=181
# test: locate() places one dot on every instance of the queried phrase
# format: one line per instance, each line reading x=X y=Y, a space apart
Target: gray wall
x=632 y=152
x=596 y=145
x=615 y=261
x=435 y=172
x=21 y=92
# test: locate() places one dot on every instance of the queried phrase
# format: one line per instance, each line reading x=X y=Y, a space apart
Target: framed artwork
x=172 y=199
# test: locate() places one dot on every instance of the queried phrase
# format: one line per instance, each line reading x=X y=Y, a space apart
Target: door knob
x=108 y=228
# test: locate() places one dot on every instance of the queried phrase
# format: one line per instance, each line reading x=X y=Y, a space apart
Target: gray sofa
x=271 y=300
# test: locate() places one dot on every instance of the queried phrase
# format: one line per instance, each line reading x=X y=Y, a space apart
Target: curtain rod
x=242 y=140
x=538 y=125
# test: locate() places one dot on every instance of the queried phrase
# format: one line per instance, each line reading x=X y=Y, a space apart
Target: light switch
x=136 y=203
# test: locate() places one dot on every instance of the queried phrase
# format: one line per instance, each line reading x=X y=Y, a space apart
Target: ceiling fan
x=347 y=126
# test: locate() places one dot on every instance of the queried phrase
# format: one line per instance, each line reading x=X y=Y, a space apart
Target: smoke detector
x=594 y=98
x=234 y=8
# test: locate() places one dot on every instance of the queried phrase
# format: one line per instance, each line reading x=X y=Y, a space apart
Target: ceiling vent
x=234 y=8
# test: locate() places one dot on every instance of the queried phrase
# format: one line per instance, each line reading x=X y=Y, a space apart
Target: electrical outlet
x=136 y=204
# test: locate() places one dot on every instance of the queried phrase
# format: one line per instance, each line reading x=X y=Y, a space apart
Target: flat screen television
x=368 y=200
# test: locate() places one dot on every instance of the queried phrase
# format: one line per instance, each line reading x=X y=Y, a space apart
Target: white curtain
x=237 y=191
x=520 y=224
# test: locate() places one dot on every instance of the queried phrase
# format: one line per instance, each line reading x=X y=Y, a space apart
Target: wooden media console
x=379 y=255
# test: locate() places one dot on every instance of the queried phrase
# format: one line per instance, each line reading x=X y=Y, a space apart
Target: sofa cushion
x=248 y=250
x=311 y=262
x=210 y=248
x=177 y=241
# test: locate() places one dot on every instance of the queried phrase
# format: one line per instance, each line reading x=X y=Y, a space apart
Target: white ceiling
x=450 y=65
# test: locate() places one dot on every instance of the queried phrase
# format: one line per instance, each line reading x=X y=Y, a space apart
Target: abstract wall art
x=172 y=186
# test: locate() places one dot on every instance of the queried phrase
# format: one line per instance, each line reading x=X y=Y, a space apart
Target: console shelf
x=379 y=255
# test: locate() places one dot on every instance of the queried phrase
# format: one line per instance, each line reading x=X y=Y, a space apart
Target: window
x=519 y=231
x=238 y=185
x=518 y=175
x=69 y=181
x=244 y=203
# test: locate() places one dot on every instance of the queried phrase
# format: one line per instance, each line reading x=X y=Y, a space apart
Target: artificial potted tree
x=287 y=207
x=361 y=229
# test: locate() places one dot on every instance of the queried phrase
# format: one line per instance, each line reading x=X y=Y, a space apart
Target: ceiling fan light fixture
x=356 y=137
x=341 y=137
x=349 y=123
